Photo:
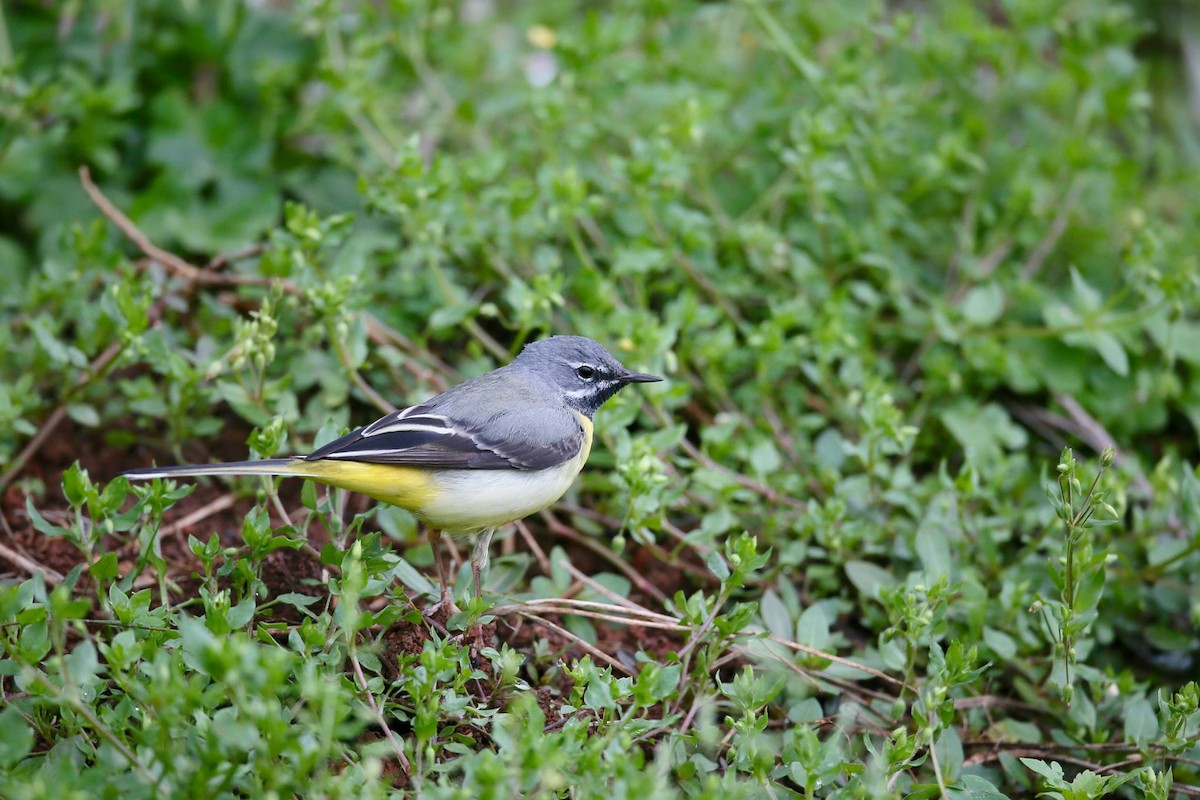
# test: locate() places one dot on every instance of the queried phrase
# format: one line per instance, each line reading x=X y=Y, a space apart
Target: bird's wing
x=527 y=439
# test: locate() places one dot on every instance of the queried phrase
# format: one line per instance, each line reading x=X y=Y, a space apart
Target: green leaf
x=84 y=666
x=807 y=710
x=869 y=578
x=812 y=629
x=1090 y=590
x=933 y=548
x=75 y=485
x=666 y=681
x=58 y=351
x=775 y=615
x=1086 y=295
x=297 y=599
x=240 y=615
x=84 y=414
x=1003 y=645
x=598 y=695
x=985 y=433
x=1111 y=350
x=975 y=787
x=983 y=304
x=16 y=737
x=449 y=316
x=764 y=458
x=717 y=566
x=197 y=641
x=1052 y=772
x=105 y=567
x=950 y=754
x=1141 y=721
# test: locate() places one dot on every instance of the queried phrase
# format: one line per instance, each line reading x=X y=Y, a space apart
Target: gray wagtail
x=489 y=451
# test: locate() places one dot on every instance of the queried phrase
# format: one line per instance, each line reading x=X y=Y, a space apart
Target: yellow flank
x=407 y=487
x=588 y=428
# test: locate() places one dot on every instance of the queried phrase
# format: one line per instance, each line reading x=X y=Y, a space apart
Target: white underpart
x=472 y=500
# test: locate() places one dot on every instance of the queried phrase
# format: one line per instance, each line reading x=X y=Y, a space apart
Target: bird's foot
x=444 y=608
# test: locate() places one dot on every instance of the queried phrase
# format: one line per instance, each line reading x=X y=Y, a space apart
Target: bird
x=486 y=452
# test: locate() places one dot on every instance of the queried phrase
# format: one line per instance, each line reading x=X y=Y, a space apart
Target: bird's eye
x=585 y=372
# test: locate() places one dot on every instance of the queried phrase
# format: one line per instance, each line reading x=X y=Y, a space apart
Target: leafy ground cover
x=916 y=513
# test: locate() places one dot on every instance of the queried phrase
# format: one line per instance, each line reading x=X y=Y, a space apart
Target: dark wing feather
x=412 y=419
x=531 y=439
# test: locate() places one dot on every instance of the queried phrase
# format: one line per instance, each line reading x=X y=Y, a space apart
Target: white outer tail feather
x=270 y=466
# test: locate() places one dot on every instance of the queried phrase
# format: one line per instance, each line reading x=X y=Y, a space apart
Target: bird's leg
x=479 y=563
x=480 y=557
x=447 y=599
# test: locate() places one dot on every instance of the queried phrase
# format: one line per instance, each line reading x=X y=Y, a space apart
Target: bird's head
x=585 y=373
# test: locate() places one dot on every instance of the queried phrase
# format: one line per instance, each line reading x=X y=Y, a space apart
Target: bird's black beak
x=639 y=377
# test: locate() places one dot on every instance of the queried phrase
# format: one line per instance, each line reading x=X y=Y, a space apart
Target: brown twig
x=630 y=613
x=993 y=258
x=604 y=591
x=361 y=680
x=567 y=532
x=691 y=714
x=1078 y=423
x=97 y=366
x=986 y=701
x=765 y=491
x=376 y=399
x=219 y=261
x=1054 y=233
x=538 y=553
x=589 y=648
x=660 y=552
x=48 y=427
x=572 y=609
x=780 y=432
x=52 y=577
x=681 y=536
x=218 y=505
x=845 y=662
x=383 y=333
x=818 y=677
x=1097 y=437
x=171 y=262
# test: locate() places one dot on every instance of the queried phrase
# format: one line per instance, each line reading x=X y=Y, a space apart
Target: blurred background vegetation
x=893 y=258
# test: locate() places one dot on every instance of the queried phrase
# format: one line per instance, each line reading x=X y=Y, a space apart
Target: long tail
x=406 y=487
x=270 y=466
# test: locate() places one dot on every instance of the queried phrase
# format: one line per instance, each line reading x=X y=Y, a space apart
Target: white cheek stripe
x=590 y=391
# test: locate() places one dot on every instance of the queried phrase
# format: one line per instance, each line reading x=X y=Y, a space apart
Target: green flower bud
x=1107 y=456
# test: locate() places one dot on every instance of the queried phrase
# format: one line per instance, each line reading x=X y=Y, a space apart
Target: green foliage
x=909 y=268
